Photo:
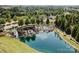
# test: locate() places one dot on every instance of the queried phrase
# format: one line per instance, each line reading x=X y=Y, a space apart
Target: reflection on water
x=22 y=39
x=57 y=35
x=20 y=34
x=28 y=38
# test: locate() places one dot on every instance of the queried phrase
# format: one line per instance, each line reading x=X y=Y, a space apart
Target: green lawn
x=8 y=44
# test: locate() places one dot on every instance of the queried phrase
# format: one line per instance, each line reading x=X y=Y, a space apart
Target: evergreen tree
x=15 y=18
x=38 y=21
x=47 y=21
x=27 y=21
x=68 y=30
x=20 y=22
x=74 y=31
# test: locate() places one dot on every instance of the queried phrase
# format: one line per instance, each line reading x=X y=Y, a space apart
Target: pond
x=49 y=42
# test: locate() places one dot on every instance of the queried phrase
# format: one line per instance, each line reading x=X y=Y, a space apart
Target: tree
x=33 y=21
x=38 y=21
x=68 y=30
x=62 y=24
x=77 y=37
x=41 y=21
x=15 y=18
x=20 y=22
x=27 y=21
x=8 y=20
x=2 y=21
x=8 y=17
x=58 y=21
x=74 y=31
x=47 y=21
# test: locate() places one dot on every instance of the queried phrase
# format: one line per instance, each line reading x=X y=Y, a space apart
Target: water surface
x=48 y=42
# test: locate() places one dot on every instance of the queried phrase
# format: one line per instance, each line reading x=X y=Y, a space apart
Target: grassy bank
x=68 y=39
x=8 y=44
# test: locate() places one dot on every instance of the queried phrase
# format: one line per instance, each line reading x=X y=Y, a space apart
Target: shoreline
x=67 y=39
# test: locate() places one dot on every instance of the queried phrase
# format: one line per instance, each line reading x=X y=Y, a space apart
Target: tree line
x=33 y=14
x=69 y=24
